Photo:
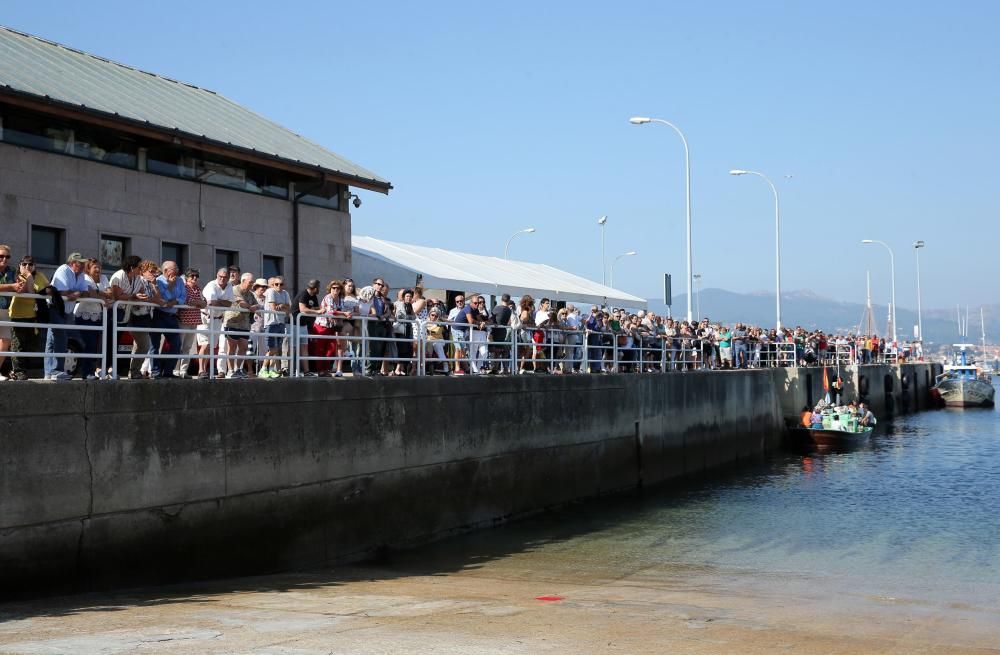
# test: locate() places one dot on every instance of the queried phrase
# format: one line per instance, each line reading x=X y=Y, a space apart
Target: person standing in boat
x=836 y=389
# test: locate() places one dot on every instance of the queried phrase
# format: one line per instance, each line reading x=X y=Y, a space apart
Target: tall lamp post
x=642 y=120
x=920 y=320
x=697 y=291
x=506 y=248
x=892 y=265
x=777 y=240
x=630 y=253
x=602 y=221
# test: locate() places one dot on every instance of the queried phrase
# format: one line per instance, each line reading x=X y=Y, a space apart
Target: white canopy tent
x=447 y=270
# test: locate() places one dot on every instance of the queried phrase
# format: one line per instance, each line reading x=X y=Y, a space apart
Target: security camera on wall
x=357 y=202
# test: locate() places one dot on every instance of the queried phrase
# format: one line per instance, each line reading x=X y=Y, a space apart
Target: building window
x=272 y=266
x=47 y=245
x=327 y=195
x=220 y=171
x=175 y=252
x=113 y=250
x=226 y=258
x=69 y=138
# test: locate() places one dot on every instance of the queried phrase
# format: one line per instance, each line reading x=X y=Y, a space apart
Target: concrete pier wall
x=148 y=482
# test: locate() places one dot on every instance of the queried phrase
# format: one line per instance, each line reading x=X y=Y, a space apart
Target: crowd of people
x=238 y=326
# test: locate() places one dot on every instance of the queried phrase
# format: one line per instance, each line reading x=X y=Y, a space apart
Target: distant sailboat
x=867 y=323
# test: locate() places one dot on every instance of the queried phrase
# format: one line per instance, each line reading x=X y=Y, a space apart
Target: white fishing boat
x=963 y=384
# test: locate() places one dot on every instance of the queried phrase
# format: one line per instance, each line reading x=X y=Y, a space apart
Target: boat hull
x=965 y=393
x=821 y=437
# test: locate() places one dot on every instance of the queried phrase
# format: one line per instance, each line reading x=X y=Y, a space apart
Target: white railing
x=843 y=354
x=367 y=350
x=214 y=329
x=69 y=327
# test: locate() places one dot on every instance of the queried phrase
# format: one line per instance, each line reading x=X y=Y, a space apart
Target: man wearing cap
x=70 y=283
x=307 y=303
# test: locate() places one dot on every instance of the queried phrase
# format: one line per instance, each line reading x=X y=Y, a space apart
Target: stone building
x=107 y=160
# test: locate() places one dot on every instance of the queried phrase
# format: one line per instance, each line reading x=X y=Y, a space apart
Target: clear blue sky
x=490 y=117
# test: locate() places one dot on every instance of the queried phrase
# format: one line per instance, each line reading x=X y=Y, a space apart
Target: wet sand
x=492 y=607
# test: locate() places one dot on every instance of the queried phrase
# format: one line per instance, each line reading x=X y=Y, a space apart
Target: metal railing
x=372 y=345
x=70 y=327
x=213 y=329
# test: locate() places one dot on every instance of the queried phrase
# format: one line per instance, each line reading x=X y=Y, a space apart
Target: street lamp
x=920 y=320
x=506 y=248
x=892 y=264
x=777 y=240
x=630 y=253
x=642 y=120
x=697 y=291
x=602 y=221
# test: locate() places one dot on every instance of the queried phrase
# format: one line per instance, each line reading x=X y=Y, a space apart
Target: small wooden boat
x=831 y=436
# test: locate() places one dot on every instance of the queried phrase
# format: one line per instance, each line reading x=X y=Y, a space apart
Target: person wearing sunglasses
x=189 y=319
x=26 y=310
x=380 y=313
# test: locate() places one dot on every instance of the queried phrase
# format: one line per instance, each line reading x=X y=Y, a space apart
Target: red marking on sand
x=549 y=599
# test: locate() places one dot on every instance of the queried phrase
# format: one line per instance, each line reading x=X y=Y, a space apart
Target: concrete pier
x=106 y=485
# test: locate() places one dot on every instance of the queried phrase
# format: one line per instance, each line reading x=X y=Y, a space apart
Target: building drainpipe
x=295 y=229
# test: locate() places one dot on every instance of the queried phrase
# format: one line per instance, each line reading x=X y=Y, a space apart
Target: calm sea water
x=914 y=511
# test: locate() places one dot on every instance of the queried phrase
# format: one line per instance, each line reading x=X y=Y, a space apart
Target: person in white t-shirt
x=544 y=308
x=278 y=302
x=218 y=294
x=88 y=312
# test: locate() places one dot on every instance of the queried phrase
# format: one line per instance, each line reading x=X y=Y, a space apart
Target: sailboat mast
x=868 y=303
x=982 y=320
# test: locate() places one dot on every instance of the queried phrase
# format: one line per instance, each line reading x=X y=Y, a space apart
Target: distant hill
x=810 y=310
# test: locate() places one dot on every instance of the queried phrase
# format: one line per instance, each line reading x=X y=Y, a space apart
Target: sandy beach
x=495 y=608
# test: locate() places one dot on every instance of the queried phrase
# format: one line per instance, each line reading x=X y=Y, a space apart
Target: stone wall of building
x=89 y=199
